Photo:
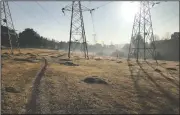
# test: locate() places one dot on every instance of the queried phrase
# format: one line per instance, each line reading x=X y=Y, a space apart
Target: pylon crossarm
x=69 y=8
x=84 y=8
x=153 y=3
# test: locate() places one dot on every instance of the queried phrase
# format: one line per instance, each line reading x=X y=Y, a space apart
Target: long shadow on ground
x=146 y=95
x=139 y=90
x=168 y=95
x=165 y=76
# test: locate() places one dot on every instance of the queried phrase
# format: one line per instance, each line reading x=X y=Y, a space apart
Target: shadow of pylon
x=174 y=101
x=139 y=90
x=166 y=77
x=169 y=71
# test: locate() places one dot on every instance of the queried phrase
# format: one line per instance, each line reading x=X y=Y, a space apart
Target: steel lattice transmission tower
x=142 y=38
x=6 y=20
x=77 y=30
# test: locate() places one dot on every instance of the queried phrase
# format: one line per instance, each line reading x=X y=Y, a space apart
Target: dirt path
x=34 y=99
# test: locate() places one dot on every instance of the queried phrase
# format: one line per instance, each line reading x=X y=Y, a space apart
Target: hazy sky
x=113 y=22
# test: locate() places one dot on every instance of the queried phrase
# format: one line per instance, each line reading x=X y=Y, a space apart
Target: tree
x=5 y=37
x=29 y=38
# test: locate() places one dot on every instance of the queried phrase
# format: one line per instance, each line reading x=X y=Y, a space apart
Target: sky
x=113 y=21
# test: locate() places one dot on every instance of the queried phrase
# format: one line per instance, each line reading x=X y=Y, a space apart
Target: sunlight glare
x=128 y=10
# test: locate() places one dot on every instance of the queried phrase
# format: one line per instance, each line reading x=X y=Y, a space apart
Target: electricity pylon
x=142 y=38
x=77 y=30
x=6 y=20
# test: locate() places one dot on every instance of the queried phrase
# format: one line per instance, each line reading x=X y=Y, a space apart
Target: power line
x=102 y=5
x=20 y=7
x=166 y=21
x=45 y=10
x=25 y=12
x=61 y=5
x=94 y=34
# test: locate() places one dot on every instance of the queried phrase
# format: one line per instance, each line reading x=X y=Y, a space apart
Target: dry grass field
x=99 y=85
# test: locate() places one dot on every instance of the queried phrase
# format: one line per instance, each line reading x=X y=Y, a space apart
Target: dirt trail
x=33 y=102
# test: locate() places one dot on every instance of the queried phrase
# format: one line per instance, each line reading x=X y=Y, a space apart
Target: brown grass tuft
x=130 y=64
x=22 y=59
x=157 y=70
x=119 y=62
x=98 y=59
x=170 y=68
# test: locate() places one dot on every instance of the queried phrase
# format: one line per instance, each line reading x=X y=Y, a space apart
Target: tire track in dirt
x=32 y=105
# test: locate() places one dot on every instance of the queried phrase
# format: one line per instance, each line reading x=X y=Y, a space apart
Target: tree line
x=167 y=49
x=29 y=38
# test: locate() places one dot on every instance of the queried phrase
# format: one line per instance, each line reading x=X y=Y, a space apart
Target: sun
x=128 y=10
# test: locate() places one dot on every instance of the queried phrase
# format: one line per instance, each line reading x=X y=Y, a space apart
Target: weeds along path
x=33 y=102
